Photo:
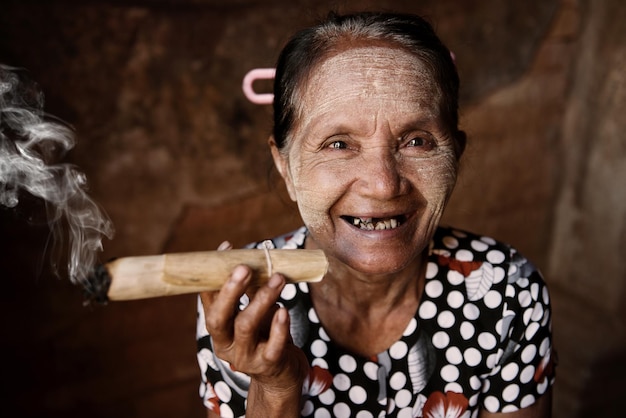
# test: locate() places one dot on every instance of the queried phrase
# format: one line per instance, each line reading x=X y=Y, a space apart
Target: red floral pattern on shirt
x=463 y=267
x=317 y=381
x=448 y=405
x=211 y=399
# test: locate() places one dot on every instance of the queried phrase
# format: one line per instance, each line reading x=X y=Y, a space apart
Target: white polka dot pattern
x=480 y=339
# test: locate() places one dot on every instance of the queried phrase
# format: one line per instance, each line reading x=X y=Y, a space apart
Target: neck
x=369 y=296
x=367 y=314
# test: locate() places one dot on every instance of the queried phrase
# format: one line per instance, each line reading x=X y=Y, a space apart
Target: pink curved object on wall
x=250 y=78
x=269 y=74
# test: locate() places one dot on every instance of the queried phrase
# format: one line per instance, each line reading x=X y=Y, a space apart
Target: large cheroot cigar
x=143 y=277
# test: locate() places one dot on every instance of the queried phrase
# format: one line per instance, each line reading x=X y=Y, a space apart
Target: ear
x=282 y=165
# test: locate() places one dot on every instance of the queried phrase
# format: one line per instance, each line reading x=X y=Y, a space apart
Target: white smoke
x=30 y=142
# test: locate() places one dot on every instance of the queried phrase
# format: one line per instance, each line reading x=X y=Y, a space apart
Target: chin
x=379 y=265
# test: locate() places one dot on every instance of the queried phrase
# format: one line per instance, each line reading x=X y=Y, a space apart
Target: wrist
x=271 y=402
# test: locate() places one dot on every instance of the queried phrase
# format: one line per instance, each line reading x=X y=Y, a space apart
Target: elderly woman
x=412 y=319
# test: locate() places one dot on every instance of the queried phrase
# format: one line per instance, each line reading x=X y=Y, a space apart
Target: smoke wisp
x=31 y=143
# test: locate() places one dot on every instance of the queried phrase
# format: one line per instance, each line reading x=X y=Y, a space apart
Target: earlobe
x=282 y=165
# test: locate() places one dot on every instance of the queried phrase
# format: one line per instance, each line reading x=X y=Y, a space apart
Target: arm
x=540 y=409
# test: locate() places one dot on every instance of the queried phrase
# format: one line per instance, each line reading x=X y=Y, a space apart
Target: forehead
x=372 y=75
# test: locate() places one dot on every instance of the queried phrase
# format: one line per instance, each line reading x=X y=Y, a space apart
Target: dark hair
x=310 y=46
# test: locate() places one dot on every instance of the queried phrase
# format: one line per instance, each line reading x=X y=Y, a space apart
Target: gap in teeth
x=371 y=224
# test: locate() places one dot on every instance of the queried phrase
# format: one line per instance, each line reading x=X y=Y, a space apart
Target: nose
x=380 y=176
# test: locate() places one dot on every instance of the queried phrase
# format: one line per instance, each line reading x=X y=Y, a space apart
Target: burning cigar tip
x=97 y=285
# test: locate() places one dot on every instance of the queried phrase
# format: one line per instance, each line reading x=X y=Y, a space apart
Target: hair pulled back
x=310 y=46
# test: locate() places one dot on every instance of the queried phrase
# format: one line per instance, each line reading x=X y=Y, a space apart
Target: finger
x=225 y=245
x=207 y=299
x=279 y=336
x=254 y=321
x=223 y=308
x=265 y=297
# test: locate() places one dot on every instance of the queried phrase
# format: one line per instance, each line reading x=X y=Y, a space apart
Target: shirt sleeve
x=222 y=390
x=525 y=369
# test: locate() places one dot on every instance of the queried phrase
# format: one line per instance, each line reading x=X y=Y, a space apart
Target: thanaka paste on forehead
x=369 y=62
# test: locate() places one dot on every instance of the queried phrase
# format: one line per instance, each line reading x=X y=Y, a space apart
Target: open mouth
x=372 y=224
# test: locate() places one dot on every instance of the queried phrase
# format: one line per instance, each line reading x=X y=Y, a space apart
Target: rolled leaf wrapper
x=179 y=273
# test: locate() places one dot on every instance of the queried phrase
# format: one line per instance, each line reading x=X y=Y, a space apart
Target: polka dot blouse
x=480 y=339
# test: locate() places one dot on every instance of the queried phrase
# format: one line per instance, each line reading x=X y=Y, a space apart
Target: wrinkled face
x=369 y=162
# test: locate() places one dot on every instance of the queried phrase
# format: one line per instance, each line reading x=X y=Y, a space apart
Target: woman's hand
x=256 y=341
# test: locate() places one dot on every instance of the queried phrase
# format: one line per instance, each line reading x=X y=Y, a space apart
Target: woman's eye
x=337 y=145
x=420 y=142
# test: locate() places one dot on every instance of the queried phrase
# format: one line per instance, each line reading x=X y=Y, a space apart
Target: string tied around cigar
x=267 y=246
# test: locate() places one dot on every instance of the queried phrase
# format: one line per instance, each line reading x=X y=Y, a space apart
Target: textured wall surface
x=178 y=158
x=153 y=89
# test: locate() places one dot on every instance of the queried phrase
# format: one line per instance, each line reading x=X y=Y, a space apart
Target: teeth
x=370 y=224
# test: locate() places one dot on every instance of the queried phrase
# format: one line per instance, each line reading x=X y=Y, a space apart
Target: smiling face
x=369 y=161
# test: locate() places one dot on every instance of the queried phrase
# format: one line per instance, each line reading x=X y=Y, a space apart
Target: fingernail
x=275 y=281
x=224 y=246
x=239 y=274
